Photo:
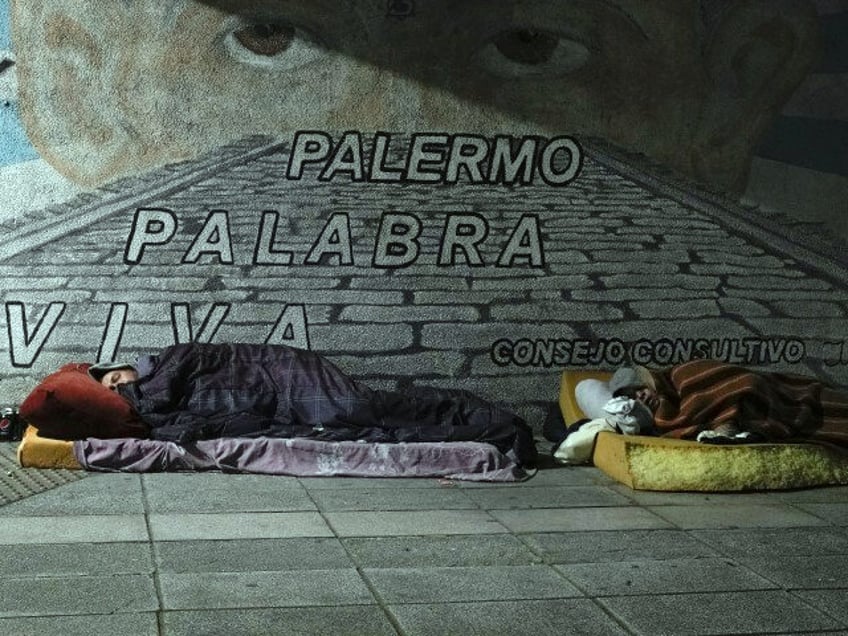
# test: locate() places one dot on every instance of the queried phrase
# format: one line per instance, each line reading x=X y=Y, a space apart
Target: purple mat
x=302 y=458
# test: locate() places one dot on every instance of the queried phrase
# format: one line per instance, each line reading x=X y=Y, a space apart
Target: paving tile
x=662 y=577
x=736 y=516
x=113 y=494
x=386 y=499
x=52 y=596
x=371 y=483
x=73 y=529
x=754 y=612
x=484 y=583
x=575 y=519
x=546 y=497
x=649 y=498
x=803 y=572
x=810 y=540
x=835 y=513
x=263 y=589
x=435 y=551
x=517 y=618
x=214 y=492
x=827 y=632
x=139 y=624
x=246 y=555
x=355 y=620
x=555 y=476
x=617 y=545
x=80 y=559
x=831 y=602
x=237 y=525
x=830 y=494
x=424 y=522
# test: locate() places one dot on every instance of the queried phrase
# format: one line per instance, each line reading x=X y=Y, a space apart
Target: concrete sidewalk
x=567 y=552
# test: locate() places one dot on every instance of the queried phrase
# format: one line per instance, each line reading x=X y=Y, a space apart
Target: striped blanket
x=706 y=395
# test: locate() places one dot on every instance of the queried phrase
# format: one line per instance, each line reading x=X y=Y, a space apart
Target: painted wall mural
x=474 y=196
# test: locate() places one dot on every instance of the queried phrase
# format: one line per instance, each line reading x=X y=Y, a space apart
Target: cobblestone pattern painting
x=494 y=288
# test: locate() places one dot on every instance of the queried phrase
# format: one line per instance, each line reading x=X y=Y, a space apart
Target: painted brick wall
x=628 y=255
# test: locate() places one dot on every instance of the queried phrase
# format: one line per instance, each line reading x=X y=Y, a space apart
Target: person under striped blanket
x=715 y=401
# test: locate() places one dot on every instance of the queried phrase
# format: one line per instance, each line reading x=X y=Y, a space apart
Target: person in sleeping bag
x=195 y=391
x=716 y=402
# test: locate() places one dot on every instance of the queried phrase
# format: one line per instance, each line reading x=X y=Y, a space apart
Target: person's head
x=111 y=379
x=637 y=383
x=112 y=374
x=110 y=89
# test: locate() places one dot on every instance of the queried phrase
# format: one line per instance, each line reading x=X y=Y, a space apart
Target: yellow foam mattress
x=35 y=451
x=656 y=463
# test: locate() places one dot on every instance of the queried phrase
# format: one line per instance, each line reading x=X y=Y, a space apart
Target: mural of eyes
x=272 y=45
x=527 y=52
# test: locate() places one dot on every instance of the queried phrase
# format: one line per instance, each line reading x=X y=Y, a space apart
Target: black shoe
x=554 y=429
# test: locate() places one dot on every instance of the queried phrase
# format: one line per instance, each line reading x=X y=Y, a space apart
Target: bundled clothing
x=195 y=391
x=709 y=395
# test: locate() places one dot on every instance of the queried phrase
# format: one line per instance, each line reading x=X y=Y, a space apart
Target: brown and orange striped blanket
x=706 y=395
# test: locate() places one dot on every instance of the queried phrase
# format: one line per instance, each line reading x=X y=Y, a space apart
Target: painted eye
x=272 y=45
x=265 y=39
x=531 y=52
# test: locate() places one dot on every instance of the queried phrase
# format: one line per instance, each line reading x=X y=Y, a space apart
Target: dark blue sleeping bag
x=202 y=391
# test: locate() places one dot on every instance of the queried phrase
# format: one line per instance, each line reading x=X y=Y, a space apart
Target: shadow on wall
x=107 y=91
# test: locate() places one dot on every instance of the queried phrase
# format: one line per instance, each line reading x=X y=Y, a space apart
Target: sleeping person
x=718 y=402
x=705 y=400
x=195 y=391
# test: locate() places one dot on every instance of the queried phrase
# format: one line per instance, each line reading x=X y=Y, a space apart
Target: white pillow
x=578 y=446
x=592 y=395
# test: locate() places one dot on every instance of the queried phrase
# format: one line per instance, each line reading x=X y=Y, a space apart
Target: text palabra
x=397 y=241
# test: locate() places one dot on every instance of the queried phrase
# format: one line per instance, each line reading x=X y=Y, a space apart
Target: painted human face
x=118 y=376
x=108 y=90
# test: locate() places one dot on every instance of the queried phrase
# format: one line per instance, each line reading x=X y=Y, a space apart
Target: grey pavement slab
x=752 y=612
x=94 y=495
x=218 y=590
x=667 y=576
x=60 y=595
x=831 y=494
x=413 y=522
x=216 y=492
x=138 y=624
x=80 y=559
x=482 y=583
x=600 y=546
x=545 y=497
x=575 y=519
x=237 y=525
x=435 y=551
x=650 y=498
x=736 y=516
x=73 y=529
x=356 y=620
x=370 y=483
x=385 y=499
x=803 y=572
x=831 y=602
x=245 y=555
x=835 y=513
x=768 y=542
x=575 y=616
x=552 y=477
